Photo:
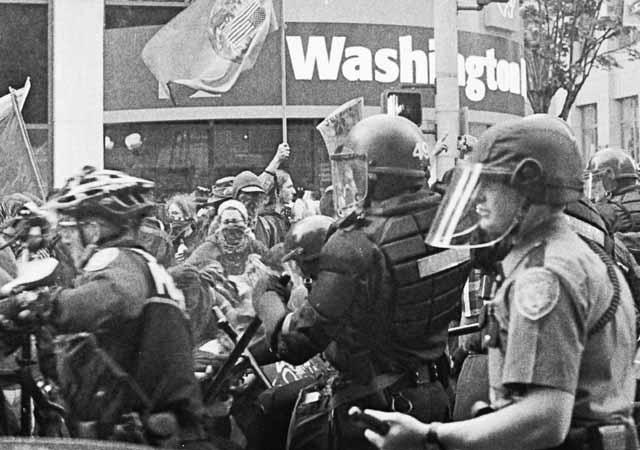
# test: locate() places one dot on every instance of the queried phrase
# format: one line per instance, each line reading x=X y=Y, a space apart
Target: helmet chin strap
x=83 y=237
x=511 y=231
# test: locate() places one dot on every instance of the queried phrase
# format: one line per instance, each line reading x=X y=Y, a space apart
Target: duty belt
x=428 y=373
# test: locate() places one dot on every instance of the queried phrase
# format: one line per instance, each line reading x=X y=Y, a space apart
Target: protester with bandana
x=230 y=243
x=182 y=226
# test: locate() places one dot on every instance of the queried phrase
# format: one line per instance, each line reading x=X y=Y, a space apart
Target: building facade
x=335 y=51
x=605 y=113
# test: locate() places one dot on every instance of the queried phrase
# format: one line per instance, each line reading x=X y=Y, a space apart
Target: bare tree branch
x=563 y=41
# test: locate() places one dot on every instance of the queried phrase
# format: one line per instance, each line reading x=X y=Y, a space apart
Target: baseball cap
x=247 y=181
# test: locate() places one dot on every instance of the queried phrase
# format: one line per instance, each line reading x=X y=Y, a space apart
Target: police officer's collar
x=401 y=204
x=532 y=238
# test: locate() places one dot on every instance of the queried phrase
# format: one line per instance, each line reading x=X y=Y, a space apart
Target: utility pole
x=445 y=29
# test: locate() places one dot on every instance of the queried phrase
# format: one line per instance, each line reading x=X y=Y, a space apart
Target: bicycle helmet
x=110 y=194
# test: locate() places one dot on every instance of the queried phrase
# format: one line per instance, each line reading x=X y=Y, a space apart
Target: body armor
x=627 y=208
x=428 y=281
x=587 y=221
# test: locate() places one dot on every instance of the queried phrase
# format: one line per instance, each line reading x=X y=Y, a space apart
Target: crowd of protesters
x=216 y=242
x=169 y=288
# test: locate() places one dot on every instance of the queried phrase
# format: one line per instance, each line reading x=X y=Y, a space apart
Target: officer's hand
x=33 y=307
x=280 y=285
x=7 y=326
x=406 y=432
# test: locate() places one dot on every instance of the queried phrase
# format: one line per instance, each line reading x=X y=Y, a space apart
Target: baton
x=225 y=326
x=216 y=384
x=464 y=329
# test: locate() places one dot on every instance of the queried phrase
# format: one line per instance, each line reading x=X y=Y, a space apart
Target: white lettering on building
x=406 y=64
x=507 y=9
x=328 y=64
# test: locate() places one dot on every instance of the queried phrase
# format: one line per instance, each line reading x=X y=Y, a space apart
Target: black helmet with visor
x=537 y=156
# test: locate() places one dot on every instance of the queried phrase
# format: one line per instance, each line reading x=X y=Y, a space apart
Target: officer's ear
x=529 y=174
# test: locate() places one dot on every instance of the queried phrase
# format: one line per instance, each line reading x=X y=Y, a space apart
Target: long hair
x=185 y=202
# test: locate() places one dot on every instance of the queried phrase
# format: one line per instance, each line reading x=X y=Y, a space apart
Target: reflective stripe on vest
x=587 y=230
x=439 y=262
x=163 y=282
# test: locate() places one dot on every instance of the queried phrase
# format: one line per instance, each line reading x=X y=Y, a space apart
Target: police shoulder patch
x=536 y=293
x=101 y=259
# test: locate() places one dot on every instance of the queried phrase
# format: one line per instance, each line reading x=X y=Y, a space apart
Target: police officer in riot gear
x=612 y=183
x=560 y=330
x=302 y=245
x=134 y=314
x=382 y=299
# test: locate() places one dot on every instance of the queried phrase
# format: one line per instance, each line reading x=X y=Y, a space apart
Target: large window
x=179 y=156
x=628 y=109
x=588 y=129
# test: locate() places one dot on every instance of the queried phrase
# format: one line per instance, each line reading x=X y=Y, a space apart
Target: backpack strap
x=166 y=290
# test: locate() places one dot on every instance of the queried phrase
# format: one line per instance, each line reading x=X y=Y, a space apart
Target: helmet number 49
x=421 y=151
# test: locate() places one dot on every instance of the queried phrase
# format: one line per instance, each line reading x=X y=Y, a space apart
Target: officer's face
x=69 y=231
x=497 y=206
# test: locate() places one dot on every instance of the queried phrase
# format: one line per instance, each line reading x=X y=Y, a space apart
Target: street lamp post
x=447 y=99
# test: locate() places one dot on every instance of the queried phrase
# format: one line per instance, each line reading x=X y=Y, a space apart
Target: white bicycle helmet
x=106 y=193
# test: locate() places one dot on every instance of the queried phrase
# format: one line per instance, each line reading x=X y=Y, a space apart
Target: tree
x=563 y=41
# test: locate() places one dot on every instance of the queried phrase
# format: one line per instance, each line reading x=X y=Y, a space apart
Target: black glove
x=280 y=285
x=25 y=309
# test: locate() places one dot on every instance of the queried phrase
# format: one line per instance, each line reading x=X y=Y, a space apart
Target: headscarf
x=231 y=238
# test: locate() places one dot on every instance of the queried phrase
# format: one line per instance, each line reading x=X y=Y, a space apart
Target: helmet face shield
x=478 y=210
x=595 y=185
x=349 y=174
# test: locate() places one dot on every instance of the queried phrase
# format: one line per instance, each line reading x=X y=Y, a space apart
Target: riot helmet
x=609 y=171
x=304 y=241
x=386 y=150
x=535 y=160
x=110 y=194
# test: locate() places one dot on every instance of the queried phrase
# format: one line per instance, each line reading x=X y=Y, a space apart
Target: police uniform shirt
x=112 y=287
x=555 y=290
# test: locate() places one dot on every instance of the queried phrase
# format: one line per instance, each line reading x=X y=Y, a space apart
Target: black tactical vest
x=587 y=222
x=428 y=281
x=627 y=208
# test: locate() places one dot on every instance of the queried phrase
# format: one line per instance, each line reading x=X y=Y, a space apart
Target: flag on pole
x=210 y=43
x=18 y=171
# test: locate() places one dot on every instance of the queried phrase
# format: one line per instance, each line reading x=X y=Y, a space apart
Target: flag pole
x=27 y=142
x=283 y=72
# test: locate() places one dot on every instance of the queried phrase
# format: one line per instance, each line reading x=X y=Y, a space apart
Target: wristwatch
x=430 y=440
